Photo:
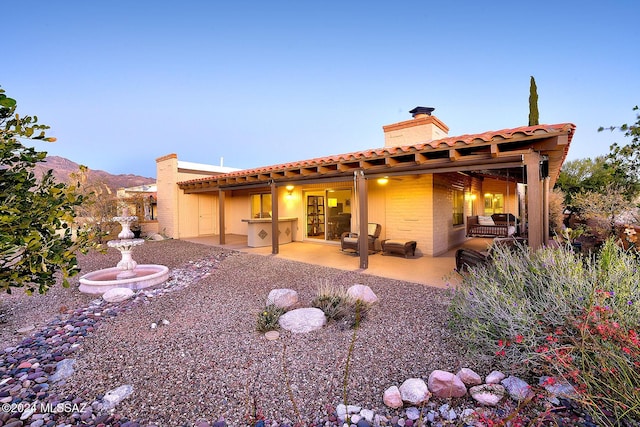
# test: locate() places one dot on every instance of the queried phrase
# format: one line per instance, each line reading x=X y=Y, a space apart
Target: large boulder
x=302 y=320
x=283 y=298
x=415 y=391
x=363 y=293
x=445 y=384
x=392 y=397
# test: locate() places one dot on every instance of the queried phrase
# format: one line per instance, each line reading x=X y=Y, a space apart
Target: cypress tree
x=534 y=116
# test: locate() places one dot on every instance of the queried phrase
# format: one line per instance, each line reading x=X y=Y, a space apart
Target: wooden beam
x=275 y=247
x=221 y=195
x=363 y=232
x=534 y=200
x=545 y=210
x=495 y=150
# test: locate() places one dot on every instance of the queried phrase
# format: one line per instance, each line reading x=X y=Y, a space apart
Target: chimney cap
x=422 y=110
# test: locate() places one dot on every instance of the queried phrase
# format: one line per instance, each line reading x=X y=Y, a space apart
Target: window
x=493 y=203
x=458 y=207
x=261 y=205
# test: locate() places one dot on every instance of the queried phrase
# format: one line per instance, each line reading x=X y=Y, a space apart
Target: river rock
x=487 y=394
x=414 y=391
x=392 y=397
x=64 y=369
x=445 y=384
x=469 y=377
x=303 y=320
x=518 y=389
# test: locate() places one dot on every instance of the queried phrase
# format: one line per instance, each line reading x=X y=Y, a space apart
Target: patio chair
x=466 y=258
x=349 y=241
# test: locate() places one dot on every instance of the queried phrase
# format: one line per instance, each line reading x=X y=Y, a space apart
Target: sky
x=255 y=83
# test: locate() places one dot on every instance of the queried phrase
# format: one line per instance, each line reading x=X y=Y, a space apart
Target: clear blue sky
x=262 y=82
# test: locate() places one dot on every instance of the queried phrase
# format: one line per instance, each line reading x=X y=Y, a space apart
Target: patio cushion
x=485 y=220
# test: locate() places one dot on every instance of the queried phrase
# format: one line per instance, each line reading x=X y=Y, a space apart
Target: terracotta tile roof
x=504 y=135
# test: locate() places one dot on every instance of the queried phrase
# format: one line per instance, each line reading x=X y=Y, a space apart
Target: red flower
x=519 y=338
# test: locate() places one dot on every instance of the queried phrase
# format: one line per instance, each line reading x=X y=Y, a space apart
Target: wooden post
x=221 y=195
x=275 y=248
x=363 y=235
x=545 y=211
x=534 y=200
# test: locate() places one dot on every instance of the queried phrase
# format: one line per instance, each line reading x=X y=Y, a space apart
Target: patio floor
x=432 y=271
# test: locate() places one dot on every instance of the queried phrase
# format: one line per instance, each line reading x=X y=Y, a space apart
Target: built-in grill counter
x=259 y=231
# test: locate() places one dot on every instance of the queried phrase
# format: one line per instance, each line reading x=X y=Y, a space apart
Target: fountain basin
x=146 y=275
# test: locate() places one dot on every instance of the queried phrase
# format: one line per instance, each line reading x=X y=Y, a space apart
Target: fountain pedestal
x=127 y=274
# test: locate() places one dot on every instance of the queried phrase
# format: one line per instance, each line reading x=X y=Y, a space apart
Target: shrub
x=268 y=318
x=339 y=306
x=333 y=301
x=553 y=312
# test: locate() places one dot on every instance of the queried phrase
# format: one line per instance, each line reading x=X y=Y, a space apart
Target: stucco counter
x=259 y=231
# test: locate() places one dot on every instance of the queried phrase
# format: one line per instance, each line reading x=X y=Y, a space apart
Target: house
x=421 y=186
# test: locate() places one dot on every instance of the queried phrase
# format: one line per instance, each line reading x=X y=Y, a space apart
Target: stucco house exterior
x=421 y=186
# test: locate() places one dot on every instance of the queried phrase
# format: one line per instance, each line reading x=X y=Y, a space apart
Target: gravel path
x=209 y=362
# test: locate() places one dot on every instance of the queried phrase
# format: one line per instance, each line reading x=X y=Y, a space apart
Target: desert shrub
x=268 y=318
x=553 y=312
x=337 y=305
x=333 y=301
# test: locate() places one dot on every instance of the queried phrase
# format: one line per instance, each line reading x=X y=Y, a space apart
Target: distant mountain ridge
x=62 y=169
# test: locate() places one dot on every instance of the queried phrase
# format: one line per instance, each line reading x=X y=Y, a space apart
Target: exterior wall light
x=289 y=189
x=383 y=180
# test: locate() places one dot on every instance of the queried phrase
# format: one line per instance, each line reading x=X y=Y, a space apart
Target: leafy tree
x=36 y=240
x=602 y=209
x=534 y=115
x=585 y=175
x=625 y=159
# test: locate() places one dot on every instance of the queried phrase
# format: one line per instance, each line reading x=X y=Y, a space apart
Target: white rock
x=341 y=411
x=355 y=418
x=64 y=369
x=487 y=394
x=353 y=409
x=155 y=236
x=303 y=320
x=445 y=384
x=392 y=397
x=469 y=377
x=283 y=298
x=367 y=414
x=414 y=391
x=154 y=325
x=494 y=377
x=115 y=396
x=117 y=294
x=165 y=322
x=363 y=293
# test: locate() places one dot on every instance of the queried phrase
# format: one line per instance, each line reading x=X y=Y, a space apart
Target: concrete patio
x=432 y=271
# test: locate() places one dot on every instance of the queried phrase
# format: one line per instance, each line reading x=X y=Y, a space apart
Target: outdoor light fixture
x=383 y=180
x=289 y=189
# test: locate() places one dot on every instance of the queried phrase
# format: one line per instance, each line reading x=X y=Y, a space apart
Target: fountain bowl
x=146 y=275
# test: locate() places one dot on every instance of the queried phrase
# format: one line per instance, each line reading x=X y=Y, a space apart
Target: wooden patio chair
x=350 y=241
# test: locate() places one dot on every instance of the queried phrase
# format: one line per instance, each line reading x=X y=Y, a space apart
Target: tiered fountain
x=127 y=274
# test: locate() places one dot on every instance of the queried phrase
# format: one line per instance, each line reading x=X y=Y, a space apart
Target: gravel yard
x=209 y=362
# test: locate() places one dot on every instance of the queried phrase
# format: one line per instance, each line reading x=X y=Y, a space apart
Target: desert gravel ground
x=210 y=362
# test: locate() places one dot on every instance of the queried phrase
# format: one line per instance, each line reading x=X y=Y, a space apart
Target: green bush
x=337 y=305
x=554 y=312
x=268 y=318
x=333 y=301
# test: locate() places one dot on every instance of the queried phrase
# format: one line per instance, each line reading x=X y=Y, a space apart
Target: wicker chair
x=349 y=241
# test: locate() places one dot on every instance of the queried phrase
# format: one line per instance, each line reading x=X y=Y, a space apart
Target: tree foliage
x=625 y=159
x=534 y=115
x=36 y=241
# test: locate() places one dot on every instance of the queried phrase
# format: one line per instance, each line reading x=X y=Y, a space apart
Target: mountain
x=63 y=168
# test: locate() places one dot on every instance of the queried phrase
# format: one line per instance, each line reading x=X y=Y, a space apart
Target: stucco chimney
x=423 y=128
